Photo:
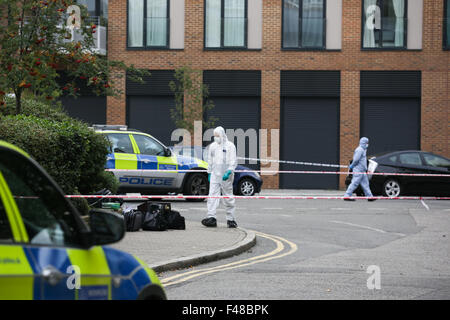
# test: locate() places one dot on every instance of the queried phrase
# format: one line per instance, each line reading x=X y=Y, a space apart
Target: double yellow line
x=277 y=253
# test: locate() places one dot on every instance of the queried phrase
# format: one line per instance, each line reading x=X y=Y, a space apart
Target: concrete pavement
x=176 y=249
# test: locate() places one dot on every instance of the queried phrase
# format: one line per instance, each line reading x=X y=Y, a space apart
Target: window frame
x=120 y=134
x=409 y=164
x=300 y=29
x=4 y=214
x=145 y=47
x=153 y=140
x=222 y=47
x=80 y=226
x=425 y=162
x=96 y=9
x=445 y=39
x=405 y=32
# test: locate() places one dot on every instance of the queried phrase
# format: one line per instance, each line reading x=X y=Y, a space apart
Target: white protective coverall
x=359 y=164
x=221 y=158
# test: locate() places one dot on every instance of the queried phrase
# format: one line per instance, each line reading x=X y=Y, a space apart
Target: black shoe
x=348 y=199
x=372 y=199
x=232 y=224
x=209 y=222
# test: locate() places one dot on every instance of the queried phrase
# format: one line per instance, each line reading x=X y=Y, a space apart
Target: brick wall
x=431 y=60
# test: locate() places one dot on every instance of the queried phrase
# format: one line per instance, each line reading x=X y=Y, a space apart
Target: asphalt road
x=322 y=249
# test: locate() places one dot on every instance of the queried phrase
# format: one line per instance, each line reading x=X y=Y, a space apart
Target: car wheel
x=392 y=188
x=196 y=185
x=247 y=187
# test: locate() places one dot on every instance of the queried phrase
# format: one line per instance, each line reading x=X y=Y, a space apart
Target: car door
x=155 y=156
x=411 y=163
x=16 y=274
x=123 y=159
x=49 y=232
x=437 y=165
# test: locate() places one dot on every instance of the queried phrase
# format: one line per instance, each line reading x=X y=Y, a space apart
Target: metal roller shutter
x=390 y=109
x=309 y=133
x=151 y=114
x=90 y=109
x=239 y=113
x=391 y=124
x=236 y=96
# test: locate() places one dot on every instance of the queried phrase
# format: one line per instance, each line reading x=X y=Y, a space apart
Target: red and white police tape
x=174 y=197
x=294 y=172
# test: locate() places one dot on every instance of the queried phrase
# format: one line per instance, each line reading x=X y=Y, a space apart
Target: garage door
x=390 y=109
x=391 y=124
x=237 y=98
x=151 y=114
x=90 y=109
x=243 y=116
x=309 y=133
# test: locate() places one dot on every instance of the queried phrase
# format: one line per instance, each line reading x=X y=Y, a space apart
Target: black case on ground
x=133 y=220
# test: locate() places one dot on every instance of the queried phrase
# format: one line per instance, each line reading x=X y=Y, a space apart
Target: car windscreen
x=48 y=218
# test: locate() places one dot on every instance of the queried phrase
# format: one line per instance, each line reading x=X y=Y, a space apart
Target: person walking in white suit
x=222 y=162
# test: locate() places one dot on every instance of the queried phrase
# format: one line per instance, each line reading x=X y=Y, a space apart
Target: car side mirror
x=167 y=152
x=106 y=227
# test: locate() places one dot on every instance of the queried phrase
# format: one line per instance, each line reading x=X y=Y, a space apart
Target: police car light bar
x=110 y=127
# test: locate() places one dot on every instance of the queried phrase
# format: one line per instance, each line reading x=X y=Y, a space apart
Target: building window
x=384 y=24
x=447 y=25
x=225 y=23
x=148 y=23
x=96 y=8
x=304 y=24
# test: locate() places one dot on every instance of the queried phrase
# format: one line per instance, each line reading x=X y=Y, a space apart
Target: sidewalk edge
x=209 y=256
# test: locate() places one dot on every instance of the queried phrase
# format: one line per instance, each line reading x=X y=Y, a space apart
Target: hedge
x=69 y=151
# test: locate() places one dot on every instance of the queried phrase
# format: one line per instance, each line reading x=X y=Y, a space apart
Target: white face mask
x=217 y=140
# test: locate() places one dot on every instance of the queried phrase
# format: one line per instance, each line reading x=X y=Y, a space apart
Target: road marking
x=425 y=205
x=367 y=227
x=274 y=254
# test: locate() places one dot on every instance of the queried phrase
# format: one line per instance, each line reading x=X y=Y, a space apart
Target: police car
x=143 y=164
x=48 y=252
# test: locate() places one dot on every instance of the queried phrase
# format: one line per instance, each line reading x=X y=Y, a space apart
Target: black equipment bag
x=133 y=220
x=175 y=220
x=160 y=216
x=154 y=218
x=154 y=222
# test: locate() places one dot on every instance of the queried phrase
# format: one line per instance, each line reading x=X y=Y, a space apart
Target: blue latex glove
x=226 y=175
x=351 y=166
x=209 y=177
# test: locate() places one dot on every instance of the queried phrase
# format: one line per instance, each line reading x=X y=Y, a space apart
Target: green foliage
x=35 y=42
x=191 y=99
x=32 y=107
x=67 y=149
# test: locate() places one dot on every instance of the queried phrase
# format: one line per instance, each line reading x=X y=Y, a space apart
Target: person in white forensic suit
x=222 y=162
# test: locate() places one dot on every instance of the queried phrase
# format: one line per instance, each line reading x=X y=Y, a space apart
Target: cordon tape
x=299 y=197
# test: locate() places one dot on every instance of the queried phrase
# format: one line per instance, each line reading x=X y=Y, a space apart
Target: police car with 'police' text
x=48 y=252
x=143 y=164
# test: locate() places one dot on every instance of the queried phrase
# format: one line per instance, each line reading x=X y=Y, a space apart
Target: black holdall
x=154 y=218
x=160 y=216
x=133 y=220
x=175 y=220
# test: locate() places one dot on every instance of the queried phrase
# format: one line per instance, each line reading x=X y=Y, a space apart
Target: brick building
x=323 y=72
